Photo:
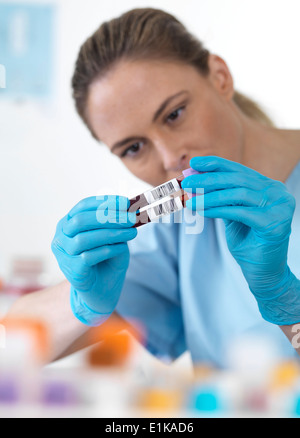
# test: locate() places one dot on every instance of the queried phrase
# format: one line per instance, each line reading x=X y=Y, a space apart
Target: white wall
x=49 y=161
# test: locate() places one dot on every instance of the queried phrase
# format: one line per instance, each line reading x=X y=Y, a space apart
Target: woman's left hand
x=258 y=213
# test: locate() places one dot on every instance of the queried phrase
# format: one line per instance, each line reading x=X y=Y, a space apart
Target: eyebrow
x=155 y=117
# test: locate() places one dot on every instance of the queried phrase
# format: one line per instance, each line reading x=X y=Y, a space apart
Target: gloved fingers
x=97 y=219
x=246 y=215
x=110 y=202
x=271 y=193
x=233 y=197
x=60 y=224
x=99 y=255
x=93 y=239
x=211 y=181
x=217 y=164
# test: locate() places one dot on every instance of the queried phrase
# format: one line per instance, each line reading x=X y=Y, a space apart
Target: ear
x=220 y=76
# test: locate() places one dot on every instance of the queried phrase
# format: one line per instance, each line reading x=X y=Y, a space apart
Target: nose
x=173 y=158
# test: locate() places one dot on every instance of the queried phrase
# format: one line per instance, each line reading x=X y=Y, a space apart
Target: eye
x=132 y=150
x=175 y=114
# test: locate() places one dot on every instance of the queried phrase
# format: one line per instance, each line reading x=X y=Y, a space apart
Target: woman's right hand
x=90 y=246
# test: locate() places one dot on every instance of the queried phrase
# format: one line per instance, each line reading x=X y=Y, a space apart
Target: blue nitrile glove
x=91 y=248
x=257 y=212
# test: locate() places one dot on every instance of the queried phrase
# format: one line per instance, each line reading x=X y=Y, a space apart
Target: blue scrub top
x=189 y=293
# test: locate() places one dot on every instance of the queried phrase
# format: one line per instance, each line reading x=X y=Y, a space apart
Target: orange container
x=114 y=343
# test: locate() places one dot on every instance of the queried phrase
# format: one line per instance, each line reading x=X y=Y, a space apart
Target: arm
x=53 y=304
x=91 y=249
x=67 y=333
x=257 y=213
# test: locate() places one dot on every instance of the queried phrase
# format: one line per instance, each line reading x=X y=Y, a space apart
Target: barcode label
x=167 y=207
x=163 y=190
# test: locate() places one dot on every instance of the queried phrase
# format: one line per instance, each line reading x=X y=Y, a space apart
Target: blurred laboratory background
x=49 y=161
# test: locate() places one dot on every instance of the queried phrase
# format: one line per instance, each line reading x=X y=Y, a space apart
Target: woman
x=162 y=103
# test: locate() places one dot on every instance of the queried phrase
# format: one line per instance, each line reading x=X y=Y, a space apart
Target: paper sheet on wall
x=26 y=50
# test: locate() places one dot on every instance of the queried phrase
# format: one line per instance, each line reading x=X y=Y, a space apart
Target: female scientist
x=162 y=103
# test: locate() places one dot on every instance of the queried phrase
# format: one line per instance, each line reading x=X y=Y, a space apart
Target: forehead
x=123 y=101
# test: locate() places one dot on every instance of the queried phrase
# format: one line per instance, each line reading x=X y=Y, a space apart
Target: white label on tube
x=166 y=207
x=162 y=191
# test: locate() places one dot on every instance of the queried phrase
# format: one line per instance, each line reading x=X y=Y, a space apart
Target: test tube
x=162 y=200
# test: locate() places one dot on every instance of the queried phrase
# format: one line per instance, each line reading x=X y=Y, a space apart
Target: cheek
x=147 y=172
x=220 y=130
x=151 y=171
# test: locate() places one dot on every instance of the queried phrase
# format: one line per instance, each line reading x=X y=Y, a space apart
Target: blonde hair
x=144 y=33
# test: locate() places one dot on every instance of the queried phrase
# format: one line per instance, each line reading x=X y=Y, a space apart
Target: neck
x=270 y=151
